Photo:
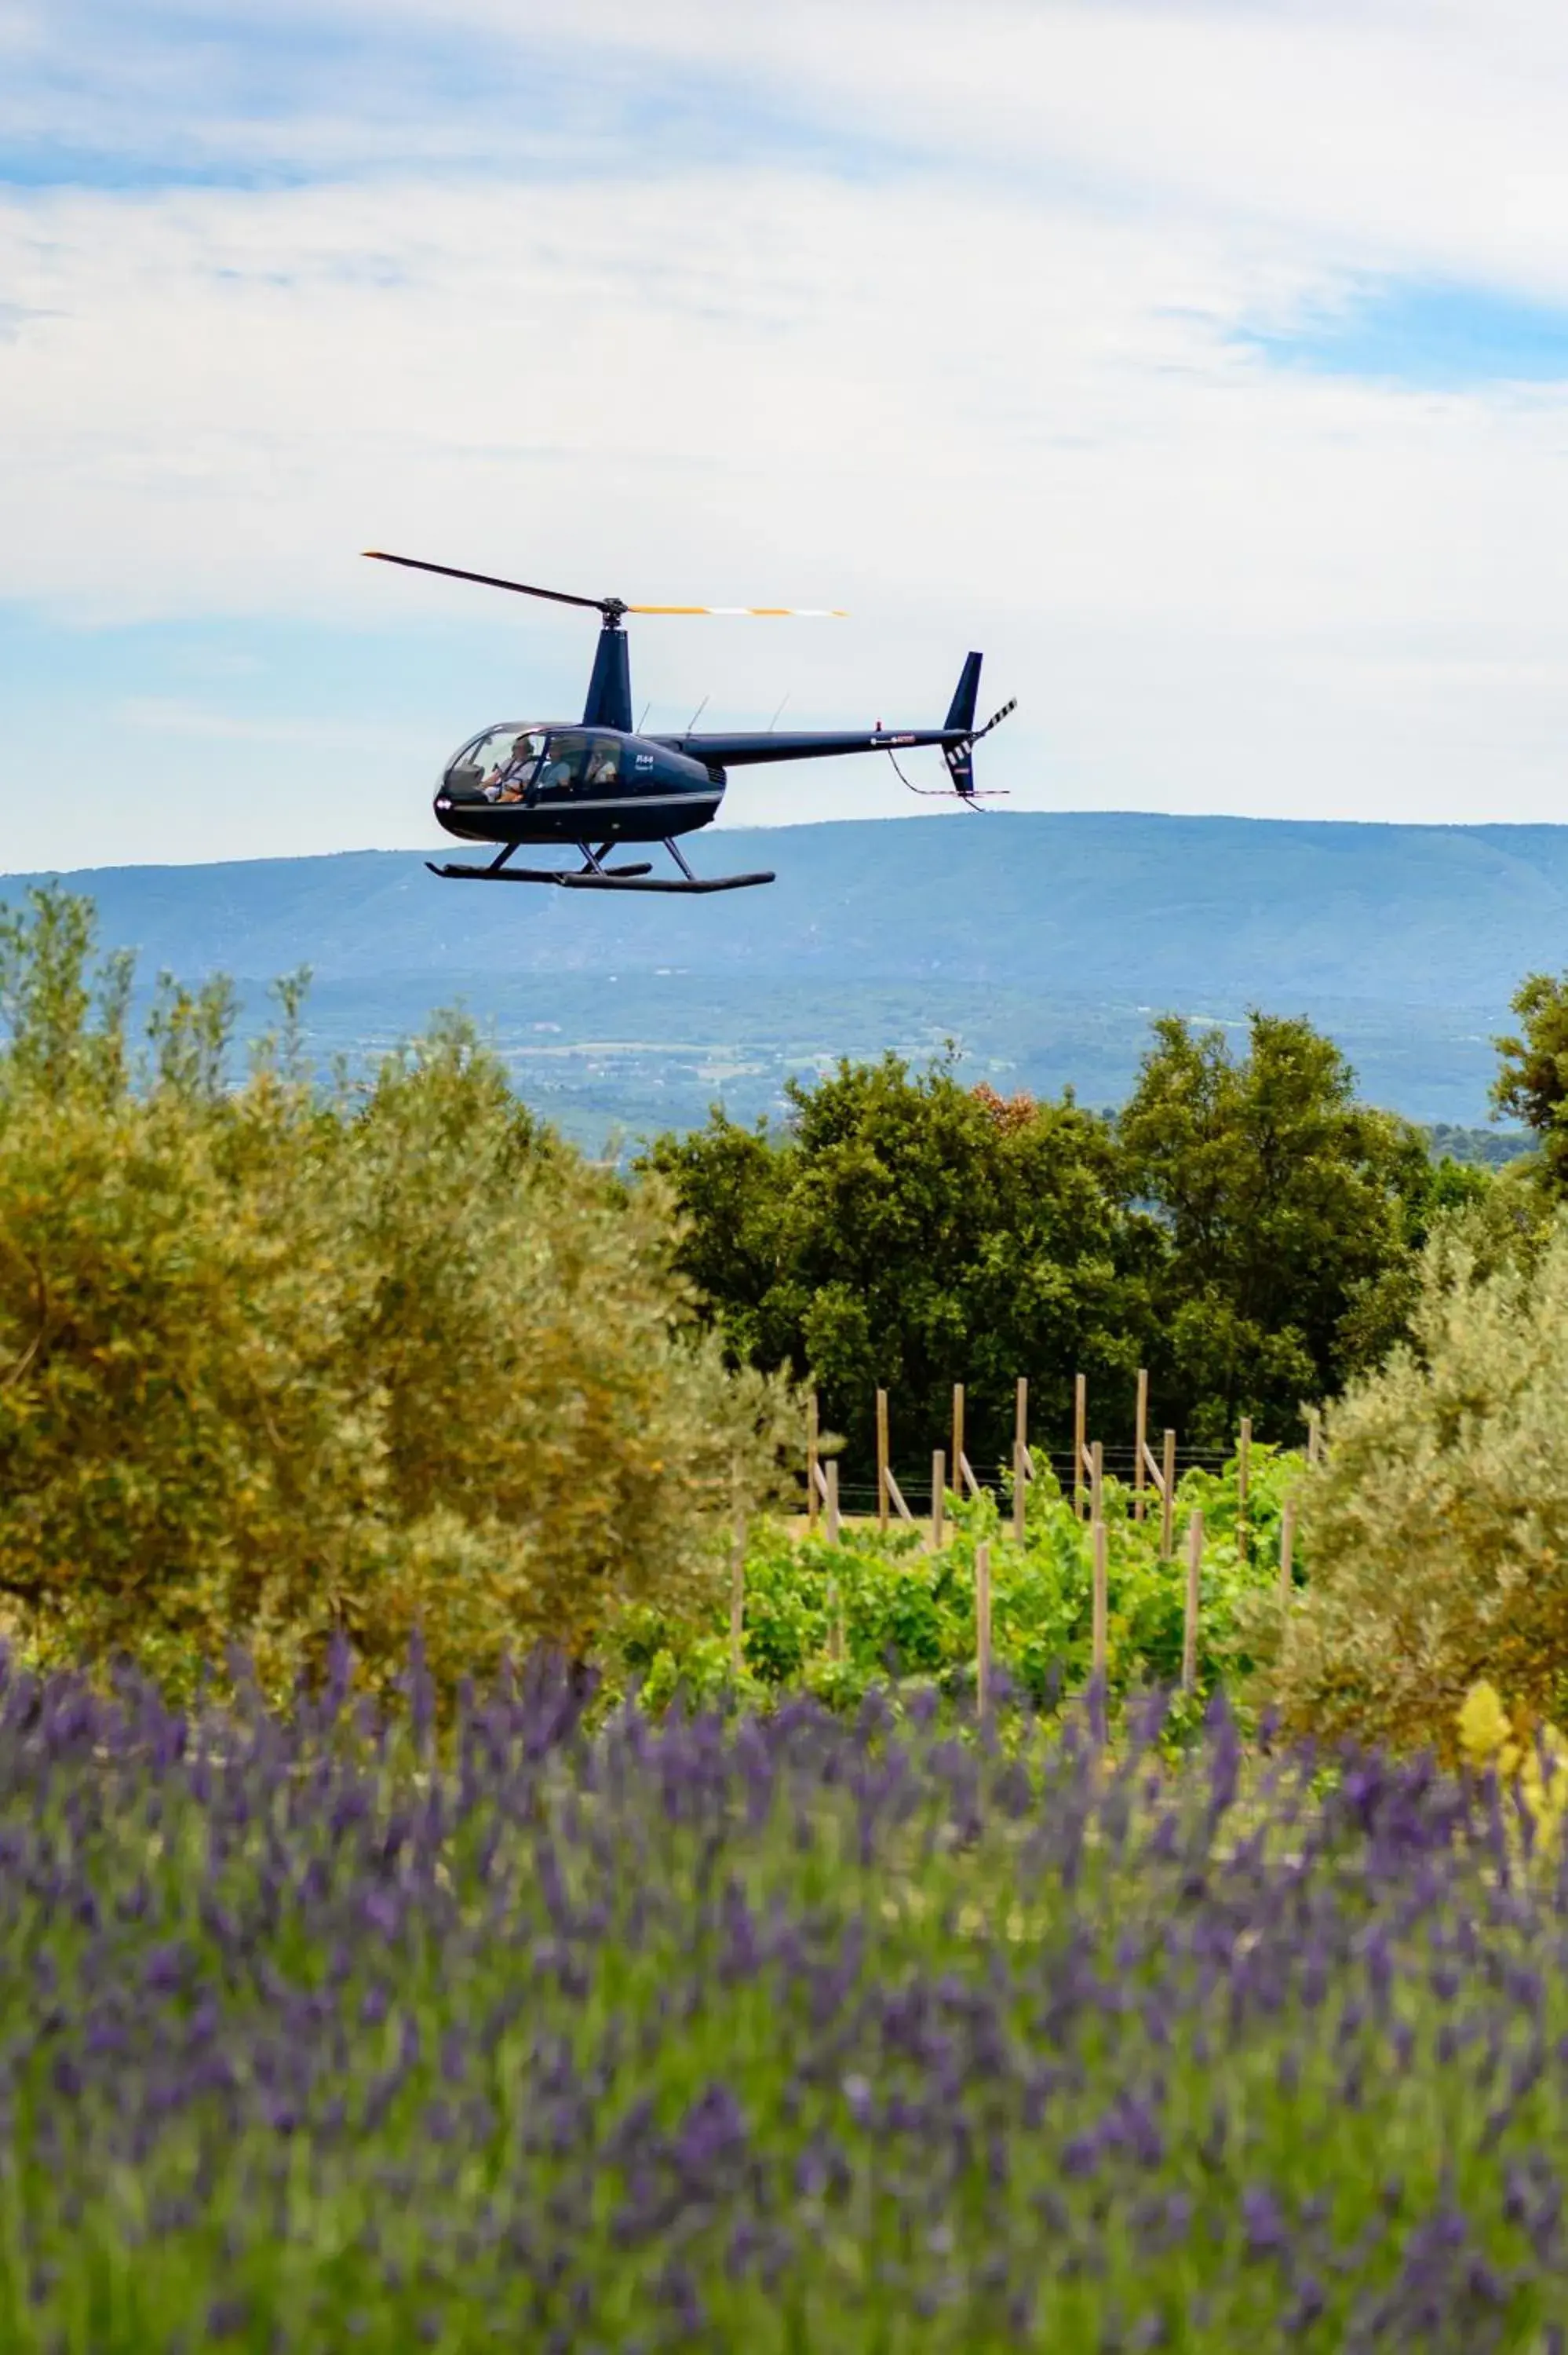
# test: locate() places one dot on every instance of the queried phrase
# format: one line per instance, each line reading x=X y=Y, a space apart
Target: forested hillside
x=1040 y=943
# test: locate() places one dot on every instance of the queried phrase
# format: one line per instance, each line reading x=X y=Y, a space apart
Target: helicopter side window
x=565 y=766
x=604 y=763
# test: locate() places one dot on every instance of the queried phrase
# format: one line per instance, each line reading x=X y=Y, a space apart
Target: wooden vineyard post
x=1314 y=1437
x=963 y=1474
x=983 y=1627
x=1097 y=1481
x=882 y=1461
x=1020 y=1461
x=1244 y=1465
x=1080 y=1438
x=811 y=1437
x=737 y=1582
x=1101 y=1618
x=888 y=1491
x=1168 y=1502
x=938 y=1484
x=835 y=1612
x=1287 y=1552
x=1140 y=1447
x=1189 y=1615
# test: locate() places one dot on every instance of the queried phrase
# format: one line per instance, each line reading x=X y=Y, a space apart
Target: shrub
x=1438 y=1524
x=274 y=1365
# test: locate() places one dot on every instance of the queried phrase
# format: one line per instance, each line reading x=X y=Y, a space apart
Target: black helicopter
x=600 y=782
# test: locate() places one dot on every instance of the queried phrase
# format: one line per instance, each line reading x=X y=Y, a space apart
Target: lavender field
x=788 y=2032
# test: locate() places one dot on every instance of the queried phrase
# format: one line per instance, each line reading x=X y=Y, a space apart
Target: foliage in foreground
x=837 y=1621
x=1439 y=1521
x=273 y=1365
x=786 y=2033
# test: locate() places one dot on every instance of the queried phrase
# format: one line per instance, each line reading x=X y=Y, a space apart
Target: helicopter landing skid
x=592 y=877
x=459 y=874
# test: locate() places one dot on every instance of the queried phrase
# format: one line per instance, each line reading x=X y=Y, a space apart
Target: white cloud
x=1401 y=133
x=993 y=394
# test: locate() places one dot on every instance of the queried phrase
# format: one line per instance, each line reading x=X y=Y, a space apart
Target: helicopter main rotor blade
x=760 y=612
x=608 y=604
x=488 y=580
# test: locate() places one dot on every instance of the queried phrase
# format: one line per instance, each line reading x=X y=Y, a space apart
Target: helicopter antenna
x=646 y=709
x=782 y=701
x=697 y=713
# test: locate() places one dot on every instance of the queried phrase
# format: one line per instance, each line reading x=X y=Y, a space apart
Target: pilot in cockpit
x=509 y=780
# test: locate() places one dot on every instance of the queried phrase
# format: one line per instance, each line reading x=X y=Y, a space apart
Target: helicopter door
x=564 y=769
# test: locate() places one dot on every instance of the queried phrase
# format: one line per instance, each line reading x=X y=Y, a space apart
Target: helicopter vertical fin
x=609 y=701
x=960 y=758
x=961 y=710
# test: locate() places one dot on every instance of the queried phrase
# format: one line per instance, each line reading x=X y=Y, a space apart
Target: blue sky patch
x=248 y=99
x=1439 y=337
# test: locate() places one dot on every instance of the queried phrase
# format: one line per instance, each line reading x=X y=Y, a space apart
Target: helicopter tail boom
x=955 y=739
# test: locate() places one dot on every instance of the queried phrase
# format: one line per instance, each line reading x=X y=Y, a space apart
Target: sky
x=1207 y=365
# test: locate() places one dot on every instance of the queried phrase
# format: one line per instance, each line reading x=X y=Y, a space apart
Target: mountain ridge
x=1043 y=941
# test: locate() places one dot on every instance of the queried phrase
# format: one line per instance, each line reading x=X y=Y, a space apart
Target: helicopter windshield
x=498 y=767
x=524 y=763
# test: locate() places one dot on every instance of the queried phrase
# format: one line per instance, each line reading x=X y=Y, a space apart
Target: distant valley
x=1040 y=943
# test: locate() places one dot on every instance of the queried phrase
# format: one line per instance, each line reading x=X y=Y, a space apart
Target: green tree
x=273 y=1365
x=1293 y=1214
x=1533 y=1083
x=905 y=1230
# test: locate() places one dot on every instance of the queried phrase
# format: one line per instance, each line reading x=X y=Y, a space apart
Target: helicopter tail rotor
x=958 y=737
x=960 y=757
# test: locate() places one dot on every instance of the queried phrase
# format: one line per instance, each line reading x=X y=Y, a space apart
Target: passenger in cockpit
x=510 y=779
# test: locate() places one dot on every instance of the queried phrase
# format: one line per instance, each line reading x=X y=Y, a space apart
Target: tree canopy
x=1532 y=1083
x=905 y=1231
x=1245 y=1229
x=1289 y=1212
x=275 y=1364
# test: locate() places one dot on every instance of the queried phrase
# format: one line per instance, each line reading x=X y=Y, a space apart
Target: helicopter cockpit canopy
x=498 y=767
x=523 y=761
